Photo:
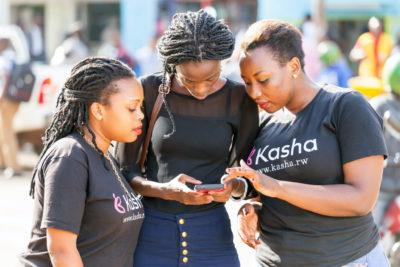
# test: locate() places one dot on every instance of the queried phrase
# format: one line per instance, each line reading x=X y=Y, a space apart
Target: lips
x=263 y=104
x=138 y=130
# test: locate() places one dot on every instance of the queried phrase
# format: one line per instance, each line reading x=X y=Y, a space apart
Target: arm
x=175 y=190
x=62 y=248
x=360 y=189
x=359 y=132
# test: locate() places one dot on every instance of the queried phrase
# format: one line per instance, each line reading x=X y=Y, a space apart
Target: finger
x=244 y=165
x=231 y=170
x=188 y=179
x=228 y=178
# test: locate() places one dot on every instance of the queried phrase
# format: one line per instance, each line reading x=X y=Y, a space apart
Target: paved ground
x=16 y=218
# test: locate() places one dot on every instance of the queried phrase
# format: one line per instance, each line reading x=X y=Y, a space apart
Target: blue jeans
x=201 y=239
x=375 y=258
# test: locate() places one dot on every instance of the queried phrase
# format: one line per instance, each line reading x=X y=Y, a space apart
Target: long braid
x=191 y=36
x=89 y=82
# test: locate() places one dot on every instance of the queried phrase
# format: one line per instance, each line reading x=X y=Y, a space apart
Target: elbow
x=363 y=207
x=59 y=250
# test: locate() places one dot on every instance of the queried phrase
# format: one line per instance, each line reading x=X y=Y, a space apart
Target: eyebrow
x=212 y=75
x=258 y=72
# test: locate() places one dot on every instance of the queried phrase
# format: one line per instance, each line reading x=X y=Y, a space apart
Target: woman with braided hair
x=199 y=131
x=85 y=213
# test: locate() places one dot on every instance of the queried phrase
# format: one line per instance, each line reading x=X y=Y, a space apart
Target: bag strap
x=145 y=147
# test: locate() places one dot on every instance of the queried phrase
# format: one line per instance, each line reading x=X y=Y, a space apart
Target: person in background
x=317 y=170
x=85 y=213
x=336 y=71
x=147 y=57
x=372 y=49
x=311 y=32
x=8 y=108
x=112 y=47
x=32 y=25
x=388 y=107
x=73 y=49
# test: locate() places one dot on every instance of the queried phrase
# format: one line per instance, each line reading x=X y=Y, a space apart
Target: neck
x=304 y=92
x=102 y=142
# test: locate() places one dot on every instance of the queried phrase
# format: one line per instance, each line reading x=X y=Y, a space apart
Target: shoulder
x=151 y=79
x=237 y=90
x=381 y=102
x=150 y=85
x=69 y=148
x=340 y=95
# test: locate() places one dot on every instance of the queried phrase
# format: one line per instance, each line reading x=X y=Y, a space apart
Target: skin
x=119 y=119
x=274 y=86
x=202 y=78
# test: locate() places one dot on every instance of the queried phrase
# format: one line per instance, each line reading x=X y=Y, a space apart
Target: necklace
x=114 y=168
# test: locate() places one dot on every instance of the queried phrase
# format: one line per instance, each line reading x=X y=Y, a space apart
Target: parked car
x=34 y=116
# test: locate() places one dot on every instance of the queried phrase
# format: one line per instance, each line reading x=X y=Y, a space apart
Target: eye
x=264 y=81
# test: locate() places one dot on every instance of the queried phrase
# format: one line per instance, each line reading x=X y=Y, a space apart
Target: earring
x=294 y=76
x=100 y=118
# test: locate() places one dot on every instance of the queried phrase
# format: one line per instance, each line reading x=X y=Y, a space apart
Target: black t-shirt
x=75 y=192
x=336 y=127
x=210 y=135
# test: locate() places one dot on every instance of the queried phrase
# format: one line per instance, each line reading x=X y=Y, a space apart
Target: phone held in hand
x=205 y=188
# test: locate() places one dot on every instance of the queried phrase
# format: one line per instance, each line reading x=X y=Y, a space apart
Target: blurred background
x=345 y=42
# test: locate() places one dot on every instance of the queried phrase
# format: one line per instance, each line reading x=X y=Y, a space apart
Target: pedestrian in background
x=372 y=49
x=8 y=108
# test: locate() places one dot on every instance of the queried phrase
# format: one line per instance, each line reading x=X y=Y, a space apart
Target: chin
x=131 y=139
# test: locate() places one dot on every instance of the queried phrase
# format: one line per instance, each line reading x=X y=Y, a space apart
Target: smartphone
x=205 y=188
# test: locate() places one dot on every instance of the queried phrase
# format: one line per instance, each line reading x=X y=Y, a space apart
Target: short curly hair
x=281 y=38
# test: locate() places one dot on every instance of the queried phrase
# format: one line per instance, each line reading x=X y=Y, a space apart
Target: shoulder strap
x=145 y=147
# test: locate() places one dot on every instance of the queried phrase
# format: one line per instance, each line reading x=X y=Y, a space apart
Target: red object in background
x=392 y=216
x=43 y=90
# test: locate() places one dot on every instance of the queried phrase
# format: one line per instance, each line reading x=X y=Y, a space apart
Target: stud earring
x=294 y=76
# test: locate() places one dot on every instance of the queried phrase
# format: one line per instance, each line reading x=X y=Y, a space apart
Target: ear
x=294 y=67
x=97 y=110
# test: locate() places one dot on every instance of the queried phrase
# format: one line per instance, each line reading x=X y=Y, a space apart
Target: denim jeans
x=375 y=258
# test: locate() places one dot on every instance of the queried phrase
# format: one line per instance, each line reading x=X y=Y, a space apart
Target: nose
x=140 y=114
x=253 y=91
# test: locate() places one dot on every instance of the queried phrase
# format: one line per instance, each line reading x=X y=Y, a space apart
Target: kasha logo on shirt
x=294 y=148
x=130 y=203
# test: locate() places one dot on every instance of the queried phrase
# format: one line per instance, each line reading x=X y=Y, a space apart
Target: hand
x=223 y=196
x=262 y=183
x=248 y=225
x=183 y=194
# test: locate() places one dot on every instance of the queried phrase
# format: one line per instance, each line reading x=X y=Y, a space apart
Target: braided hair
x=192 y=36
x=90 y=81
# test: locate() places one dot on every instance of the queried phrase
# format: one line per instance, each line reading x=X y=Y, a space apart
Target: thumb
x=243 y=164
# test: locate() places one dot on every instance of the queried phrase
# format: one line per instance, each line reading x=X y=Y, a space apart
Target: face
x=201 y=78
x=268 y=83
x=122 y=115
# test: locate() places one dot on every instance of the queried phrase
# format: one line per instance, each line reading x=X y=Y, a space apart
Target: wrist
x=278 y=188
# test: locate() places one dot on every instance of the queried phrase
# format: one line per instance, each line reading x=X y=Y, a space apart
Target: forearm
x=340 y=200
x=152 y=189
x=62 y=257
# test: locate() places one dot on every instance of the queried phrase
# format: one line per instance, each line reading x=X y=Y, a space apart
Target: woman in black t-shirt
x=85 y=213
x=205 y=122
x=316 y=166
